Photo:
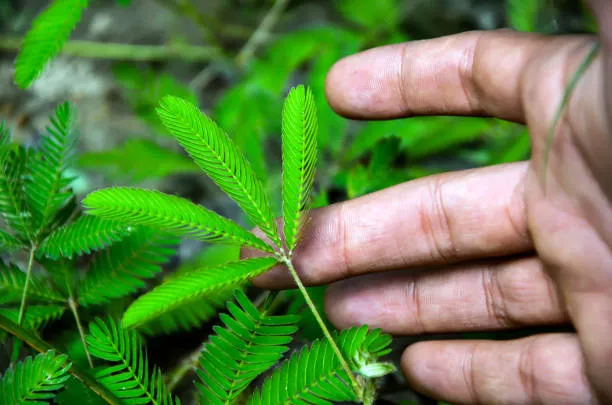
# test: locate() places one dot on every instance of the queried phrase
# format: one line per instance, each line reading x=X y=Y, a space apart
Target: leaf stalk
x=287 y=261
x=24 y=295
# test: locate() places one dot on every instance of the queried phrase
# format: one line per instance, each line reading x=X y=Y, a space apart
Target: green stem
x=116 y=51
x=319 y=319
x=569 y=89
x=41 y=346
x=24 y=295
x=176 y=375
x=75 y=312
x=260 y=35
x=205 y=24
x=208 y=22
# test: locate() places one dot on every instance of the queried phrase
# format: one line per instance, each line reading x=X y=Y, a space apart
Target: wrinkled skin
x=484 y=249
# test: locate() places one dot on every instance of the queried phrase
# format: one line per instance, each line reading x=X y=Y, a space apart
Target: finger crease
x=526 y=372
x=343 y=238
x=402 y=79
x=414 y=298
x=494 y=298
x=440 y=230
x=466 y=75
x=469 y=374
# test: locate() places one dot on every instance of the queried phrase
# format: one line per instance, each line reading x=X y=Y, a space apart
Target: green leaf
x=251 y=342
x=523 y=14
x=219 y=157
x=299 y=159
x=249 y=123
x=48 y=189
x=35 y=380
x=188 y=287
x=50 y=30
x=170 y=214
x=8 y=243
x=12 y=281
x=40 y=345
x=315 y=376
x=35 y=316
x=138 y=160
x=188 y=316
x=5 y=136
x=83 y=236
x=121 y=269
x=128 y=378
x=371 y=14
x=12 y=203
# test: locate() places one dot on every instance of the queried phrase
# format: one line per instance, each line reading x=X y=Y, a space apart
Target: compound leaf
x=35 y=380
x=314 y=375
x=128 y=378
x=251 y=342
x=47 y=190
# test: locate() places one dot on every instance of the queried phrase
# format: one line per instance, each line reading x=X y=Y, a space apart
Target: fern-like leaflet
x=128 y=378
x=36 y=316
x=218 y=156
x=12 y=282
x=47 y=190
x=121 y=269
x=170 y=214
x=83 y=236
x=251 y=342
x=35 y=380
x=299 y=159
x=12 y=203
x=187 y=316
x=314 y=375
x=50 y=30
x=187 y=287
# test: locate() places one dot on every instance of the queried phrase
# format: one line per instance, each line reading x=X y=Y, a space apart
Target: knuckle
x=496 y=303
x=414 y=301
x=436 y=223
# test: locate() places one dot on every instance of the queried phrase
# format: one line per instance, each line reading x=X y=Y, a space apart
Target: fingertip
x=355 y=85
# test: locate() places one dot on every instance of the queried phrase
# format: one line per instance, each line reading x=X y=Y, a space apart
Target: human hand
x=468 y=227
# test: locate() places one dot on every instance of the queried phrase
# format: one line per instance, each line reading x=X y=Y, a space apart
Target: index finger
x=474 y=73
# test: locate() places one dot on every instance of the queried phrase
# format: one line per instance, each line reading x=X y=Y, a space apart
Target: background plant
x=247 y=55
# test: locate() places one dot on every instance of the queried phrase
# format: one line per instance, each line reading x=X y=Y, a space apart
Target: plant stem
x=24 y=295
x=41 y=346
x=205 y=21
x=321 y=323
x=116 y=51
x=260 y=35
x=75 y=311
x=245 y=54
x=176 y=375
